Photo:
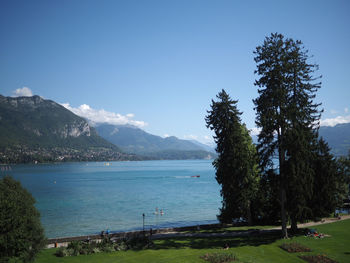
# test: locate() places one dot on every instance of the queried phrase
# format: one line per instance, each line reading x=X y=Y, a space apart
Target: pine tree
x=236 y=166
x=287 y=117
x=330 y=186
x=265 y=206
x=299 y=171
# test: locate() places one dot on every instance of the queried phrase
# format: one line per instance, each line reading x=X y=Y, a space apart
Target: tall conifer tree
x=287 y=116
x=236 y=166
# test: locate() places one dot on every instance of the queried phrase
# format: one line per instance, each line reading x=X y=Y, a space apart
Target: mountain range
x=134 y=140
x=338 y=138
x=34 y=129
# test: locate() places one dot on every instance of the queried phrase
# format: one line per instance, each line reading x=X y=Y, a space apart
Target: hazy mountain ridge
x=35 y=129
x=338 y=138
x=134 y=140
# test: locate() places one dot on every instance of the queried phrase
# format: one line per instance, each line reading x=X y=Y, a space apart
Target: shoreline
x=63 y=241
x=176 y=232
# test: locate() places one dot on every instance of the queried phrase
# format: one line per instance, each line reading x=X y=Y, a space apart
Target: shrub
x=138 y=242
x=22 y=235
x=219 y=257
x=61 y=252
x=108 y=248
x=122 y=246
x=76 y=247
x=96 y=250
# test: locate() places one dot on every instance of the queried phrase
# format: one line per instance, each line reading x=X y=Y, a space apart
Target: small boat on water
x=196 y=176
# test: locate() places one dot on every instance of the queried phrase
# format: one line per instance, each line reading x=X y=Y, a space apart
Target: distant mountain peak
x=32 y=127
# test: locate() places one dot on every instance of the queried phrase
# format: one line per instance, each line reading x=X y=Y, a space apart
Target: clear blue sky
x=164 y=61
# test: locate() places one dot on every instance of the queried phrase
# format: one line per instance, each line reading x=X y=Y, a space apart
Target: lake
x=86 y=198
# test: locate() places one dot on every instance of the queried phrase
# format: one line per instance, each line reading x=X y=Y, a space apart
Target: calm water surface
x=85 y=198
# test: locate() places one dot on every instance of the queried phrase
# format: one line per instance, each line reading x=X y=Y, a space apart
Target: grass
x=258 y=249
x=230 y=229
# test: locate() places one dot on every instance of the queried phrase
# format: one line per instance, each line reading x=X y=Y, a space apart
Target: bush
x=121 y=246
x=138 y=242
x=108 y=248
x=22 y=235
x=96 y=250
x=76 y=248
x=62 y=252
x=219 y=257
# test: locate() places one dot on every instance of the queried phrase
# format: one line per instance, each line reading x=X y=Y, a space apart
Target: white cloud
x=255 y=131
x=207 y=138
x=334 y=121
x=190 y=137
x=166 y=135
x=103 y=116
x=23 y=92
x=346 y=110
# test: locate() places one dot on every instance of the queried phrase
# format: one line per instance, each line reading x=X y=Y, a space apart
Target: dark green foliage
x=62 y=252
x=299 y=173
x=329 y=183
x=236 y=165
x=265 y=206
x=76 y=248
x=21 y=233
x=286 y=115
x=138 y=242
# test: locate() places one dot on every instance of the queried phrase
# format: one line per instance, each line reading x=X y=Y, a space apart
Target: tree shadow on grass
x=219 y=229
x=218 y=242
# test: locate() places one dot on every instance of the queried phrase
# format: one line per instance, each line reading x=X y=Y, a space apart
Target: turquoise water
x=85 y=198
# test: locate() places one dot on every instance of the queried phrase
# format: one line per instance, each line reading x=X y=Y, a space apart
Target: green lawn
x=231 y=229
x=247 y=249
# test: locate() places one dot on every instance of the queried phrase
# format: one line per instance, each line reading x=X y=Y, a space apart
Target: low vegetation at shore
x=87 y=247
x=255 y=248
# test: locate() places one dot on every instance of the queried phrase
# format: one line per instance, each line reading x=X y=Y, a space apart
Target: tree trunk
x=294 y=226
x=281 y=156
x=249 y=215
x=283 y=213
